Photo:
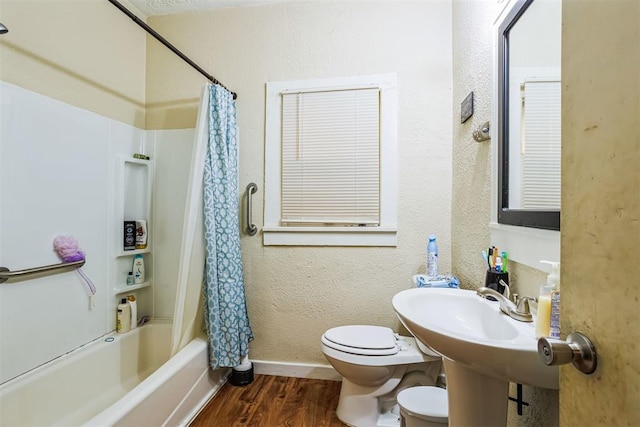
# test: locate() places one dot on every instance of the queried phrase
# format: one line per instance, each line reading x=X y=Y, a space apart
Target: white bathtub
x=118 y=380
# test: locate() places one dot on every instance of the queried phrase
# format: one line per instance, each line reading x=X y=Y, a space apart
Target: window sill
x=329 y=236
x=526 y=245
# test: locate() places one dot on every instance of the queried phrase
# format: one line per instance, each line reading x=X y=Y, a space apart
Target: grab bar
x=6 y=274
x=251 y=228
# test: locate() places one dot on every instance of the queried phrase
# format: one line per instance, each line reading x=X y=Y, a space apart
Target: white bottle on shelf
x=123 y=317
x=138 y=269
x=131 y=300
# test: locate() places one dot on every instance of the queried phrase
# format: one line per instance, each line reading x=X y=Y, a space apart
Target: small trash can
x=423 y=406
x=242 y=374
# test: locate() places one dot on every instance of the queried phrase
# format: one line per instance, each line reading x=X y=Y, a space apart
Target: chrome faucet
x=520 y=312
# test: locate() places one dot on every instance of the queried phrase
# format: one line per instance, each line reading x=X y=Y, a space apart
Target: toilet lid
x=427 y=403
x=362 y=339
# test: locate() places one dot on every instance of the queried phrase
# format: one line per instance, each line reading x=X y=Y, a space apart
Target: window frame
x=329 y=235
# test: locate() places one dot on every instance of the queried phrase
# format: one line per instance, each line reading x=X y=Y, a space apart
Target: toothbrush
x=504 y=261
x=490 y=258
x=486 y=259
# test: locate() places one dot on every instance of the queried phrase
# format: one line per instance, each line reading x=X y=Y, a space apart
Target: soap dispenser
x=544 y=312
x=553 y=281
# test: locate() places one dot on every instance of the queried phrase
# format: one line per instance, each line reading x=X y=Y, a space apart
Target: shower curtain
x=188 y=317
x=226 y=317
x=211 y=236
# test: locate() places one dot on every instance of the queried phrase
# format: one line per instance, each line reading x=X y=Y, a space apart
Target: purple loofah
x=67 y=248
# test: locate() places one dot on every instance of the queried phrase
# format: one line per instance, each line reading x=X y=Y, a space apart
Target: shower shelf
x=133 y=196
x=128 y=288
x=133 y=252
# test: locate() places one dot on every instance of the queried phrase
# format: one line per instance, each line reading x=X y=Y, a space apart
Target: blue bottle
x=432 y=257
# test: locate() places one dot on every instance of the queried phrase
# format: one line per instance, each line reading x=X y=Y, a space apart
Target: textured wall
x=85 y=53
x=472 y=71
x=472 y=65
x=601 y=208
x=296 y=293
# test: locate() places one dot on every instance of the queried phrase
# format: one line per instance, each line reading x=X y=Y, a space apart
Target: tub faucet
x=520 y=312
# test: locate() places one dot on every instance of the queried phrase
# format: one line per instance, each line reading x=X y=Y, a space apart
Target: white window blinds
x=331 y=157
x=541 y=134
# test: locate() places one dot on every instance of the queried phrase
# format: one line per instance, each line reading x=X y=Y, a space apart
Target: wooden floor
x=271 y=401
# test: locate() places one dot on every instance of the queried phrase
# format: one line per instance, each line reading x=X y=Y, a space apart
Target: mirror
x=529 y=115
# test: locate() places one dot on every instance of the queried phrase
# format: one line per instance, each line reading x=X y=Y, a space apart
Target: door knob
x=577 y=349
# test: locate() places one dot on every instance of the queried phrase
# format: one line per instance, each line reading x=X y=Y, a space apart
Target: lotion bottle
x=138 y=269
x=123 y=317
x=131 y=300
x=554 y=283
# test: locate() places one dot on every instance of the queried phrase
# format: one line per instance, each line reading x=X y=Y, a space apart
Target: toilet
x=376 y=364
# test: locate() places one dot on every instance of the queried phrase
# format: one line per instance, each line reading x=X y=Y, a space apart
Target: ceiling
x=168 y=7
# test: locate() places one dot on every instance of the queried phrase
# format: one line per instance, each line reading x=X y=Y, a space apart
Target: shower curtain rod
x=171 y=47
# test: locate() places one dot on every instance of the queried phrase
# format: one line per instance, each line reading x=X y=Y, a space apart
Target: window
x=330 y=162
x=540 y=146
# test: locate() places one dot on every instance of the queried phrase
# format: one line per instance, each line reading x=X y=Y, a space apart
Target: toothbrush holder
x=492 y=280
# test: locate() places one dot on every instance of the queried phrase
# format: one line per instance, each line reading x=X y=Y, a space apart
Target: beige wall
x=472 y=71
x=472 y=65
x=295 y=293
x=601 y=208
x=85 y=53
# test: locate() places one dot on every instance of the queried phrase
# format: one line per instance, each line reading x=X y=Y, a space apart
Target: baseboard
x=298 y=370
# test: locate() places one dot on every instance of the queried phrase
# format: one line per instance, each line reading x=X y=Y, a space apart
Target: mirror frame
x=549 y=220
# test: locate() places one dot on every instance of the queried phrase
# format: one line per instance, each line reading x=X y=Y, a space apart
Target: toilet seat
x=364 y=340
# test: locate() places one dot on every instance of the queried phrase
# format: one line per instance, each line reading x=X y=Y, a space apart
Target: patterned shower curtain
x=226 y=317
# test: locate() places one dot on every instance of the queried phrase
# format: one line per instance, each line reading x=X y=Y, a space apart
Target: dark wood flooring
x=271 y=401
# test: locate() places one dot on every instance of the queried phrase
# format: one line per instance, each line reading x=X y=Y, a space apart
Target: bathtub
x=117 y=380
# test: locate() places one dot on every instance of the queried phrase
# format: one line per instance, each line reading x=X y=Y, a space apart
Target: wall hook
x=482 y=132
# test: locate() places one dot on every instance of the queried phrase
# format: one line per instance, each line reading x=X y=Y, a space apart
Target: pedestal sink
x=483 y=350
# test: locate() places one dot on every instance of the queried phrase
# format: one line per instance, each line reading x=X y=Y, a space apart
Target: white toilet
x=376 y=364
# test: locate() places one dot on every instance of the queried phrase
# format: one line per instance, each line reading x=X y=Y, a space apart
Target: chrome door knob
x=577 y=350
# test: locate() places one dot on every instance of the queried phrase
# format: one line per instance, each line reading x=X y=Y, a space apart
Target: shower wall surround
x=57 y=176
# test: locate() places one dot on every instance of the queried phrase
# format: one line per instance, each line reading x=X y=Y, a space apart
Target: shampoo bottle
x=554 y=283
x=131 y=300
x=138 y=269
x=432 y=257
x=123 y=317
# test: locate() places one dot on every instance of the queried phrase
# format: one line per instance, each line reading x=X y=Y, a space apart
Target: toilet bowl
x=376 y=364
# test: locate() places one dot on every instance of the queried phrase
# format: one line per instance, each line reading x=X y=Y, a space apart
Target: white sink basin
x=472 y=331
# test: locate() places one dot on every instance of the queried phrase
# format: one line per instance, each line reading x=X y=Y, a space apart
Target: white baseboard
x=298 y=370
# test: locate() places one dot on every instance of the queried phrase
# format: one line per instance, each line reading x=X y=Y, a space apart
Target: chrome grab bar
x=251 y=190
x=6 y=274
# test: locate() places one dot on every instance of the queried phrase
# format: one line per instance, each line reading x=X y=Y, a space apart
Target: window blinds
x=331 y=157
x=541 y=145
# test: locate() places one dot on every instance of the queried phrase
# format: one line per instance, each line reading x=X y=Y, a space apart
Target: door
x=600 y=228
